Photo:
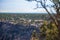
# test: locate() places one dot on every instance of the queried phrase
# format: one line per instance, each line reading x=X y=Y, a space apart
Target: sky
x=22 y=6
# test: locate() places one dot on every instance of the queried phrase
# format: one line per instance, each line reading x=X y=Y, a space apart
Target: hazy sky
x=20 y=6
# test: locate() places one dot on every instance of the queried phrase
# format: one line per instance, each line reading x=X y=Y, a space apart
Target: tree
x=49 y=31
x=56 y=17
x=56 y=6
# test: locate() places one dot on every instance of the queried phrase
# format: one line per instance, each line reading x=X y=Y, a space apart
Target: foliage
x=26 y=16
x=35 y=35
x=49 y=31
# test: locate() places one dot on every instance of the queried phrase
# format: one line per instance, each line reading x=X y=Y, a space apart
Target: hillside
x=16 y=32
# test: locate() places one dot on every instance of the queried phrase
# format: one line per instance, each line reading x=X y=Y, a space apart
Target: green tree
x=55 y=17
x=49 y=31
x=52 y=32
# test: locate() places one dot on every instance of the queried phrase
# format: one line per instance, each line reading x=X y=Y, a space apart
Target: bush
x=49 y=31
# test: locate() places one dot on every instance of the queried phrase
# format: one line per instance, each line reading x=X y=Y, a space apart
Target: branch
x=54 y=19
